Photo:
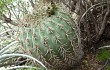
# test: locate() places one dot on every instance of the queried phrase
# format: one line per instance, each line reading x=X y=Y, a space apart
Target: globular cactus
x=52 y=39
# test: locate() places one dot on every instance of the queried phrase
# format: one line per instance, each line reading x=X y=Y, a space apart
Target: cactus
x=51 y=39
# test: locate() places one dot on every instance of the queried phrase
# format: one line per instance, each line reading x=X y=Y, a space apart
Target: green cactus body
x=52 y=39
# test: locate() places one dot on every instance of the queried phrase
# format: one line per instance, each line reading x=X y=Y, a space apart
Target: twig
x=32 y=4
x=90 y=9
x=5 y=31
x=7 y=47
x=103 y=23
x=22 y=55
x=19 y=67
x=8 y=20
x=102 y=68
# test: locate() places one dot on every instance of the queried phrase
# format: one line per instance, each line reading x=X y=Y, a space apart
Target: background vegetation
x=86 y=24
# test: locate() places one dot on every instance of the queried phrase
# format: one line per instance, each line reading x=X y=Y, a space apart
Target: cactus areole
x=51 y=39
